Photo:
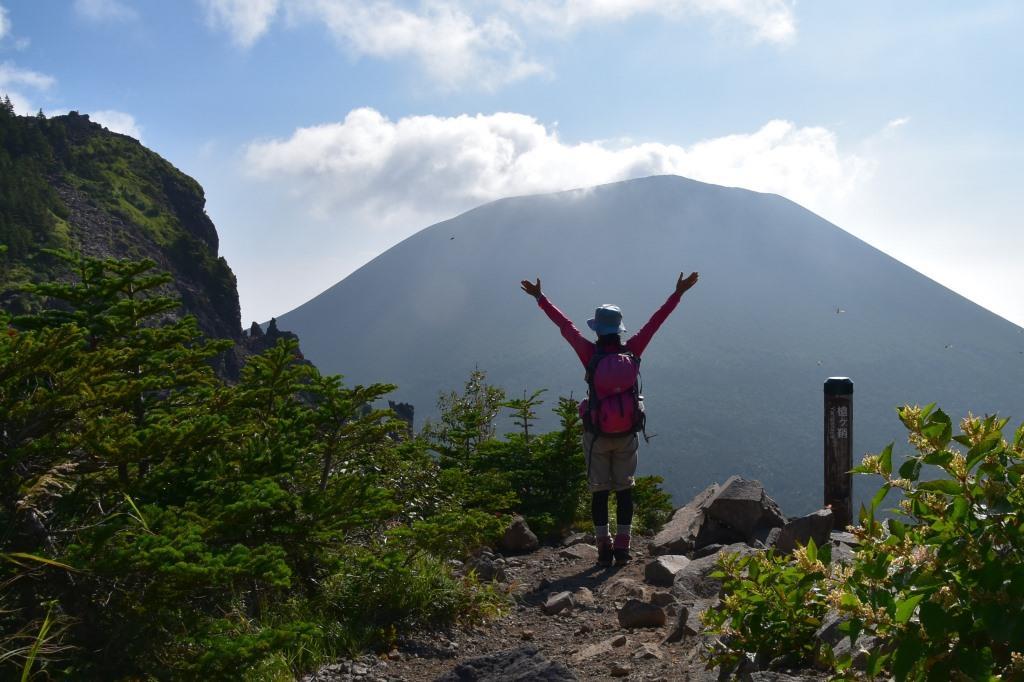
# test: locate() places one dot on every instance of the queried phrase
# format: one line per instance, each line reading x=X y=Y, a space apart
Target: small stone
x=585 y=629
x=527 y=635
x=638 y=614
x=360 y=669
x=620 y=670
x=558 y=602
x=583 y=597
x=599 y=649
x=394 y=655
x=662 y=598
x=622 y=588
x=648 y=650
x=579 y=552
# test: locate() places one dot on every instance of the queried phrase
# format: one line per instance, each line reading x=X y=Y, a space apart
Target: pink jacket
x=585 y=349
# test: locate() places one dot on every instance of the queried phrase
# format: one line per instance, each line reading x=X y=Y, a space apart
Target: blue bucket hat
x=607 y=320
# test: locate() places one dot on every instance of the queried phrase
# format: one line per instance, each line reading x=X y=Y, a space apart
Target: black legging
x=623 y=501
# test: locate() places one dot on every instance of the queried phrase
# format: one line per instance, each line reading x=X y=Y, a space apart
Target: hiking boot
x=604 y=553
x=621 y=551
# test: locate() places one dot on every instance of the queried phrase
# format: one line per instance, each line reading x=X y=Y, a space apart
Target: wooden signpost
x=839 y=450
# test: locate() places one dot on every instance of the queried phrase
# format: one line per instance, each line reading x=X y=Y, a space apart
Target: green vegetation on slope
x=67 y=183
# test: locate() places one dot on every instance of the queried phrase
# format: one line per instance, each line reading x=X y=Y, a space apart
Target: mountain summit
x=733 y=381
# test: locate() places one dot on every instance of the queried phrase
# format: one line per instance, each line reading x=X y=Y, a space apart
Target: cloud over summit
x=432 y=167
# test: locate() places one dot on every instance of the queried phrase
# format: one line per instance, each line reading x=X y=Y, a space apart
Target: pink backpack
x=614 y=405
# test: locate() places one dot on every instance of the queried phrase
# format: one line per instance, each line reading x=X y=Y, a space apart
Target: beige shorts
x=611 y=463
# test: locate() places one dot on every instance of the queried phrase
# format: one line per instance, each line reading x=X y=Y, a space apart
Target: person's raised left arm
x=638 y=342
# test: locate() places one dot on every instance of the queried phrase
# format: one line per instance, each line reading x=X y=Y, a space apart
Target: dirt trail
x=586 y=637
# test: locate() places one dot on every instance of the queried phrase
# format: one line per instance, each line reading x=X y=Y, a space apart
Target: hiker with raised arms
x=613 y=412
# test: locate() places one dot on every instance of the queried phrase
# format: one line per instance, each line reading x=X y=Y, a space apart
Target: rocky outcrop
x=738 y=511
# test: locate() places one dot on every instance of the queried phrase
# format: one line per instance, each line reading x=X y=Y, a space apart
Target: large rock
x=519 y=538
x=639 y=614
x=695 y=582
x=682 y=532
x=661 y=571
x=816 y=526
x=744 y=506
x=516 y=665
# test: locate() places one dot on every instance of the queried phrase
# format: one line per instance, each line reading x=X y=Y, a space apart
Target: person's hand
x=683 y=285
x=531 y=288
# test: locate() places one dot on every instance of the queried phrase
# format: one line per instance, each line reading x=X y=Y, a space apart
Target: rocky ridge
x=572 y=620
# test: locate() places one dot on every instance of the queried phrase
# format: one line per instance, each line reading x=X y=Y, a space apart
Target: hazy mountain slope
x=733 y=380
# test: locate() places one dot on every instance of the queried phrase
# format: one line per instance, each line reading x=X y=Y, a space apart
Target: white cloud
x=5 y=23
x=105 y=10
x=245 y=20
x=770 y=20
x=451 y=46
x=424 y=168
x=483 y=44
x=897 y=123
x=118 y=122
x=13 y=78
x=14 y=75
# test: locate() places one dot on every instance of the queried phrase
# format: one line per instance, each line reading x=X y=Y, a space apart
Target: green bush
x=771 y=607
x=940 y=585
x=190 y=529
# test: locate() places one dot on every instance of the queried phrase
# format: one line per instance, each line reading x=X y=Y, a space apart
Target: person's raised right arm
x=584 y=349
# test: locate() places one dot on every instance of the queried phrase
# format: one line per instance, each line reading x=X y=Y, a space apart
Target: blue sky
x=325 y=131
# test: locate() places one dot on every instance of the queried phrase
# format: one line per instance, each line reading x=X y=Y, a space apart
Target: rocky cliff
x=68 y=183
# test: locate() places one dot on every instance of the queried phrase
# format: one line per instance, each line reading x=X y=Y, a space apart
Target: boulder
x=639 y=614
x=662 y=570
x=680 y=534
x=744 y=506
x=796 y=532
x=695 y=582
x=519 y=538
x=515 y=665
